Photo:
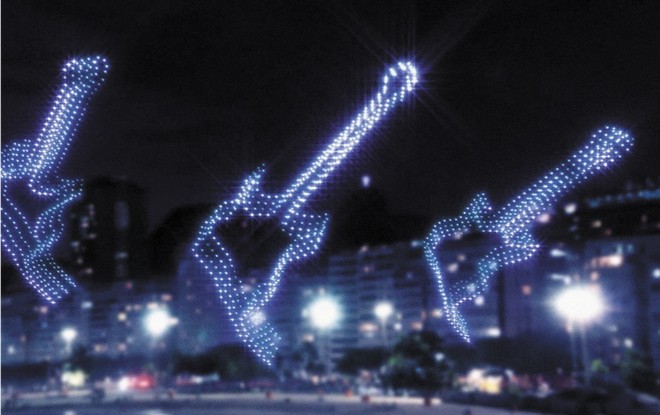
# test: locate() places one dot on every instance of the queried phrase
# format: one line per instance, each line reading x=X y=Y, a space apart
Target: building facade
x=108 y=227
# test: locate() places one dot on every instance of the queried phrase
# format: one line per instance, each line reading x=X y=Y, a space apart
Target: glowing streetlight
x=324 y=313
x=580 y=305
x=158 y=321
x=383 y=310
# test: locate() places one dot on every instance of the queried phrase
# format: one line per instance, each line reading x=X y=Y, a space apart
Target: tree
x=362 y=358
x=637 y=371
x=230 y=362
x=418 y=363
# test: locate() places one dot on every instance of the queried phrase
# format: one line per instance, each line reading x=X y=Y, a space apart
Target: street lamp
x=324 y=314
x=68 y=334
x=580 y=305
x=383 y=310
x=157 y=322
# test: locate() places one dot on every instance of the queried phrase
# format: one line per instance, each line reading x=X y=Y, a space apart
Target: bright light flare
x=383 y=310
x=324 y=313
x=580 y=304
x=157 y=322
x=69 y=334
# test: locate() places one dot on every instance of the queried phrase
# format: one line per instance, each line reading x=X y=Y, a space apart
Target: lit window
x=417 y=325
x=608 y=261
x=527 y=289
x=596 y=224
x=594 y=276
x=367 y=328
x=453 y=267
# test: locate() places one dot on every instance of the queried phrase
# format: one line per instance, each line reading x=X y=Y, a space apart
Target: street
x=243 y=404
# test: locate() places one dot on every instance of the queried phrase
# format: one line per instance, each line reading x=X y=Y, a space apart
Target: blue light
x=35 y=163
x=513 y=222
x=246 y=310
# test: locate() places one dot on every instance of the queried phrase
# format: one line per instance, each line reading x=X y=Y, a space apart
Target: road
x=243 y=404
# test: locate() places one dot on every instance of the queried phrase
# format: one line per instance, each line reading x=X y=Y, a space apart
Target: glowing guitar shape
x=306 y=230
x=29 y=243
x=513 y=222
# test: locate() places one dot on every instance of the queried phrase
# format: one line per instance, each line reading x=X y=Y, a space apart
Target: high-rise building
x=107 y=232
x=609 y=242
x=362 y=279
x=205 y=322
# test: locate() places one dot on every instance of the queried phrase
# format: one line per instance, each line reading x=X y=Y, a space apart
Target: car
x=139 y=382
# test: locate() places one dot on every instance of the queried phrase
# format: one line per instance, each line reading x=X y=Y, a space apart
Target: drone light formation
x=34 y=163
x=246 y=310
x=512 y=223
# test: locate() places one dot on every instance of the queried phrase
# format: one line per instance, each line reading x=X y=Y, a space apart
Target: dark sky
x=201 y=93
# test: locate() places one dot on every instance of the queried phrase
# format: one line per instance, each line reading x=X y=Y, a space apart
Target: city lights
x=306 y=230
x=513 y=222
x=33 y=165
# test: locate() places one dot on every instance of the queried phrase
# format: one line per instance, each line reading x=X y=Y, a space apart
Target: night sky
x=202 y=93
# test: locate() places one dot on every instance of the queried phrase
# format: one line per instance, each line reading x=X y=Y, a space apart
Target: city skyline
x=191 y=106
x=455 y=199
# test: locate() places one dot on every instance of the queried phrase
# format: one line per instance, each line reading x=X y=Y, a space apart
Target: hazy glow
x=306 y=230
x=580 y=304
x=513 y=222
x=157 y=322
x=33 y=165
x=324 y=313
x=383 y=310
x=69 y=334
